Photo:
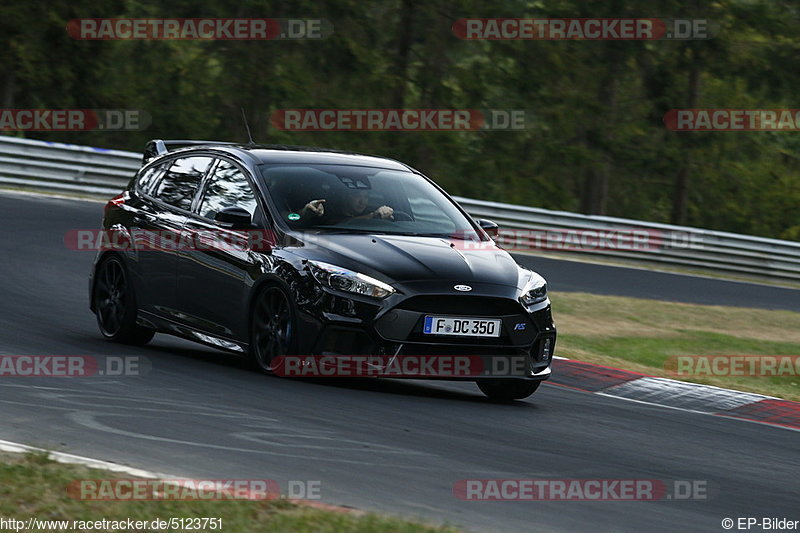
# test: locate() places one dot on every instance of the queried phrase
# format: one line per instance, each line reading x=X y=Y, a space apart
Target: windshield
x=363 y=199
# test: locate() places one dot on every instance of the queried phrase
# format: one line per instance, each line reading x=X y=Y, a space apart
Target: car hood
x=400 y=258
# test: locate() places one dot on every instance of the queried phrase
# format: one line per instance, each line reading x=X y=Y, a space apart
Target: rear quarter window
x=180 y=182
x=148 y=178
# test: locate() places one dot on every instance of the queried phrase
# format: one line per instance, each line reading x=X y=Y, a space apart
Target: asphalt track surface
x=392 y=446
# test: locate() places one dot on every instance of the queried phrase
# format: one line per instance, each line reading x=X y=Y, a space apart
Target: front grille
x=462 y=305
x=404 y=323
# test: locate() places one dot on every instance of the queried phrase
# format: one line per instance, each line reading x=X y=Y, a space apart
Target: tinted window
x=179 y=184
x=339 y=197
x=149 y=177
x=228 y=187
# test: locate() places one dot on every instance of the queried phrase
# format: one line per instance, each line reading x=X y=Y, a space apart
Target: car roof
x=271 y=156
x=290 y=154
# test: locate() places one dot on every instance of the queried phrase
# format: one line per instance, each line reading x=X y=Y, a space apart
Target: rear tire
x=115 y=305
x=507 y=390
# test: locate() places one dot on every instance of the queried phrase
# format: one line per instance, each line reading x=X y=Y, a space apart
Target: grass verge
x=641 y=335
x=32 y=485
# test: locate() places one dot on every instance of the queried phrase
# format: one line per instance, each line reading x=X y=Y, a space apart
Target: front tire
x=272 y=328
x=507 y=390
x=115 y=305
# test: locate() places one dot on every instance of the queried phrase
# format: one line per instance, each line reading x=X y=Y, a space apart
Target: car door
x=215 y=276
x=158 y=231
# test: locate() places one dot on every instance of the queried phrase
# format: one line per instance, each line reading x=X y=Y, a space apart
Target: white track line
x=68 y=458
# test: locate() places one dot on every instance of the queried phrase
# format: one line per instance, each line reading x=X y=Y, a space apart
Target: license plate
x=461 y=327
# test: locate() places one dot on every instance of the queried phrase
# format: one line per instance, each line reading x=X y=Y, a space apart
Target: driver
x=354 y=206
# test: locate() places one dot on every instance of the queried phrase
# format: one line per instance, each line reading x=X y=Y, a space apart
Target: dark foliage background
x=597 y=145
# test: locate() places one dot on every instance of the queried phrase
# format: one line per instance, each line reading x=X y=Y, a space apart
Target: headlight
x=342 y=279
x=535 y=291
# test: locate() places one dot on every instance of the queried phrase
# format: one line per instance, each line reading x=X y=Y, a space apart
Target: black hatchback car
x=354 y=256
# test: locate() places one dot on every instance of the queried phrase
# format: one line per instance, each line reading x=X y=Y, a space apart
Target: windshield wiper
x=330 y=229
x=447 y=236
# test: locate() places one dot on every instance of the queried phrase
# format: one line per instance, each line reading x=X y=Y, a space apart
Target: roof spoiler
x=157 y=147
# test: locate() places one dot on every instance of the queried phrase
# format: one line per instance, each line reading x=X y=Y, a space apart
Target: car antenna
x=247 y=127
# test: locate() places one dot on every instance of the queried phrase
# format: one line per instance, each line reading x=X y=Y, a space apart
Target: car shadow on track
x=415 y=388
x=410 y=388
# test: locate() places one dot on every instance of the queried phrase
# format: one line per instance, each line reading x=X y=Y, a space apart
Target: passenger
x=353 y=206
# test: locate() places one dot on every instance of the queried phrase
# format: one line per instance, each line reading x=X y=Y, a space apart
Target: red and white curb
x=618 y=383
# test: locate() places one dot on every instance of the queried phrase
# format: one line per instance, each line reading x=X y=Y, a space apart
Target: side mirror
x=235 y=216
x=491 y=228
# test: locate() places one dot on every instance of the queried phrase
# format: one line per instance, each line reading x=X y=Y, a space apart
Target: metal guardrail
x=96 y=171
x=65 y=167
x=664 y=244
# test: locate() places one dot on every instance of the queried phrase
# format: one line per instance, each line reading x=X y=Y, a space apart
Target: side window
x=148 y=178
x=228 y=187
x=179 y=183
